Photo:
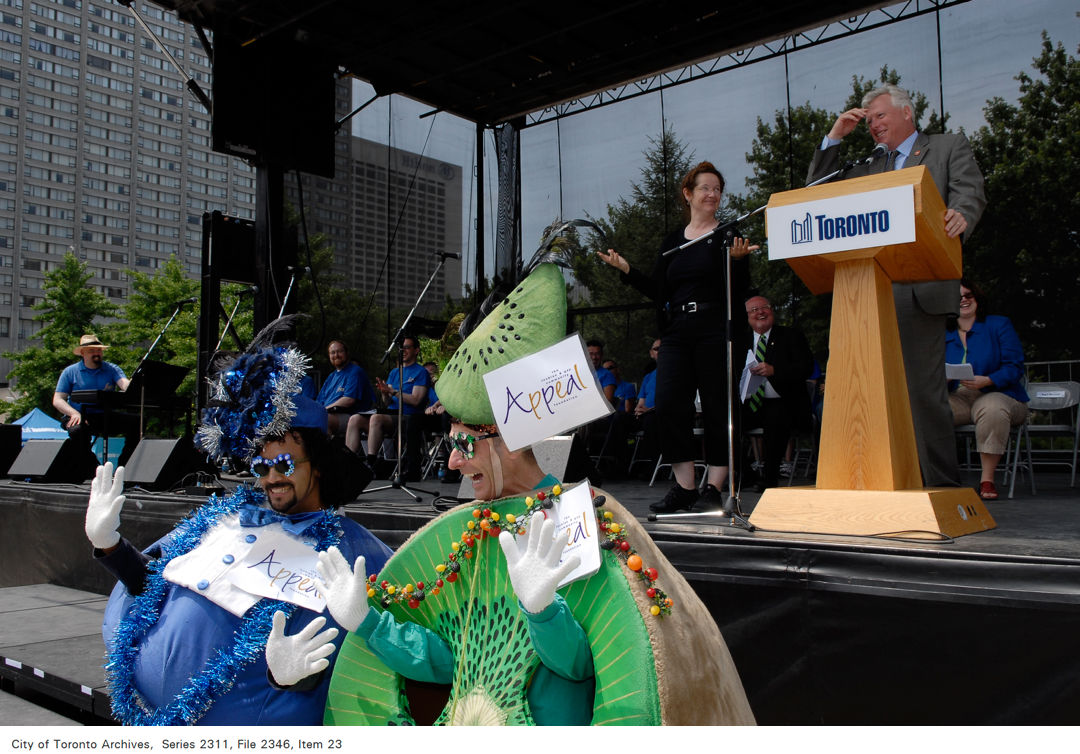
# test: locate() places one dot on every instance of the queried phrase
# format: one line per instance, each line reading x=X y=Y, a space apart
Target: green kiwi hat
x=529 y=319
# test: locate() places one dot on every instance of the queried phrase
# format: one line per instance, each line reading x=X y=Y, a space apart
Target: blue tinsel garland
x=205 y=688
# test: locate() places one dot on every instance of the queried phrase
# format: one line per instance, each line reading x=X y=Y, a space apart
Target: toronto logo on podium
x=848 y=226
x=802 y=231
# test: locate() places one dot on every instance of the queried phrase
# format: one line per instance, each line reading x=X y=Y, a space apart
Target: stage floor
x=824 y=629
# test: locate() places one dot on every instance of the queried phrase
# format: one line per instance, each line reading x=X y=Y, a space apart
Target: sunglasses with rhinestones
x=465 y=443
x=283 y=464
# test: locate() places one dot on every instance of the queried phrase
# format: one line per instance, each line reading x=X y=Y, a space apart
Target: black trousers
x=777 y=422
x=692 y=359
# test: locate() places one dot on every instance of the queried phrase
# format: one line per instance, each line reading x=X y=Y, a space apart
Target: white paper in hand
x=749 y=382
x=959 y=372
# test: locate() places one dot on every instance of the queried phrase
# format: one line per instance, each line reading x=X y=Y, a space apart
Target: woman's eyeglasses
x=966 y=296
x=465 y=443
x=283 y=464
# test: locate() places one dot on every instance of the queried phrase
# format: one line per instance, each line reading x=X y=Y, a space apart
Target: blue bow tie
x=256 y=515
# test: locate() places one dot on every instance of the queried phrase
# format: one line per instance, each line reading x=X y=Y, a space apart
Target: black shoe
x=711 y=500
x=677 y=499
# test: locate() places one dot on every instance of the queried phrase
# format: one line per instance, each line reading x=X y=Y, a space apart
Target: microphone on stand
x=299 y=271
x=879 y=149
x=249 y=291
x=190 y=300
x=447 y=255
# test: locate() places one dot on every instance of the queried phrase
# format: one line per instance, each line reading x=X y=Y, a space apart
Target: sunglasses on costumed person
x=283 y=463
x=465 y=443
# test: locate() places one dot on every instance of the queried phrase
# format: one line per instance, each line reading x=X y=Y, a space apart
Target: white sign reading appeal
x=282 y=568
x=857 y=221
x=549 y=392
x=575 y=517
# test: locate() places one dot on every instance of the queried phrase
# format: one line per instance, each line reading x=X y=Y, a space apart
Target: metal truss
x=846 y=27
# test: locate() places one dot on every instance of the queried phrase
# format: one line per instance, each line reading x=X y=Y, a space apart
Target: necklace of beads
x=488 y=523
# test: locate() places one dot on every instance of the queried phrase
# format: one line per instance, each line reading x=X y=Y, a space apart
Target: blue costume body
x=191 y=630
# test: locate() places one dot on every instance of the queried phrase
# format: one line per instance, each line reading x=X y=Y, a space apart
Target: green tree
x=151 y=303
x=69 y=308
x=1026 y=248
x=780 y=158
x=635 y=227
x=336 y=312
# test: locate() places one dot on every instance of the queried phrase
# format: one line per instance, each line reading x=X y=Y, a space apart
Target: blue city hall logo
x=849 y=226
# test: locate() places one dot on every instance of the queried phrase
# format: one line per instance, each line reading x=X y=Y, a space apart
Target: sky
x=578 y=166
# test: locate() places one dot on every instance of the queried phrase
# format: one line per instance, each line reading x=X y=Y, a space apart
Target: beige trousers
x=993 y=414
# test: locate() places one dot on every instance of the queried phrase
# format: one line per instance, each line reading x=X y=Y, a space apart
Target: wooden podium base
x=951 y=511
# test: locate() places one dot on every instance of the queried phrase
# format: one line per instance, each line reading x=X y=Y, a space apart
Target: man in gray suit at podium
x=921 y=308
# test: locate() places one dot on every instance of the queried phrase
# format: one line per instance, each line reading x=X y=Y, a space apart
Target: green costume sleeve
x=407 y=648
x=560 y=641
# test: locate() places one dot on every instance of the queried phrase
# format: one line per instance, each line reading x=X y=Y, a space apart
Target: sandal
x=987 y=491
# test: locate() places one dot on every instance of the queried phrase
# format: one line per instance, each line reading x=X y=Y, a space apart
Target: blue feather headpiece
x=256 y=397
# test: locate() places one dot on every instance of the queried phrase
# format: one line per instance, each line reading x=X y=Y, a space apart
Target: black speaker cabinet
x=57 y=461
x=161 y=464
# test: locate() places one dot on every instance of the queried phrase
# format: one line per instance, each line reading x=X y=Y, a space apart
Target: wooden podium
x=868 y=478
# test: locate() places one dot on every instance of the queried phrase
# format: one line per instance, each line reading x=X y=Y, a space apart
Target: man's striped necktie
x=759 y=394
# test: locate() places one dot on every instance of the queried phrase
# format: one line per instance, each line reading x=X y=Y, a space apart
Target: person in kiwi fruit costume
x=562 y=685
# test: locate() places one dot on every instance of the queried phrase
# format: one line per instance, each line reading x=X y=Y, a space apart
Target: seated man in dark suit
x=782 y=403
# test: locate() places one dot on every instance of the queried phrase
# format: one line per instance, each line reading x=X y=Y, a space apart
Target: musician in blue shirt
x=411 y=386
x=346 y=390
x=93 y=373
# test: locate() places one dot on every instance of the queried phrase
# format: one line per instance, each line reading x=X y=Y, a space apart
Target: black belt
x=692 y=307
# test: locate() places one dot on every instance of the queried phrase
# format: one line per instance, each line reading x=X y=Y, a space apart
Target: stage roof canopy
x=490 y=62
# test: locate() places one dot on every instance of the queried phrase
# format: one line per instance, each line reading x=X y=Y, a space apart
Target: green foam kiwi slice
x=479 y=617
x=531 y=318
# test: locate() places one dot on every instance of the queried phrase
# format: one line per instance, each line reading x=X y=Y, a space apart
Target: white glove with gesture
x=345 y=588
x=536 y=573
x=291 y=659
x=103 y=510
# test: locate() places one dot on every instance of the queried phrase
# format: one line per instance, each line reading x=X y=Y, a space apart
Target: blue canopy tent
x=37 y=425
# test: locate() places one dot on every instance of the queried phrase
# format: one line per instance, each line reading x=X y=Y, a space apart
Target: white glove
x=291 y=659
x=536 y=573
x=345 y=588
x=103 y=510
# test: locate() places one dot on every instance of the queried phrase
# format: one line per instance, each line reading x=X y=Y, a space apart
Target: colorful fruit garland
x=489 y=523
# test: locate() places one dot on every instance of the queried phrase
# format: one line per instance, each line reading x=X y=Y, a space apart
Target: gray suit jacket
x=952 y=165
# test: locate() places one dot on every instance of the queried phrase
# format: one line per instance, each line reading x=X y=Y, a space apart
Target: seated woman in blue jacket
x=995 y=399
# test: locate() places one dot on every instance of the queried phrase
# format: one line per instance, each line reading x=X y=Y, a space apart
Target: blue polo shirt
x=624 y=391
x=352 y=381
x=415 y=376
x=648 y=389
x=604 y=377
x=78 y=376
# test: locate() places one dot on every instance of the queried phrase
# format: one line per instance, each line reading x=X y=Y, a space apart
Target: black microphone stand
x=232 y=315
x=396 y=481
x=142 y=361
x=297 y=273
x=839 y=172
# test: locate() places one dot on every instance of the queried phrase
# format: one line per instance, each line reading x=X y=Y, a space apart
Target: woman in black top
x=689 y=287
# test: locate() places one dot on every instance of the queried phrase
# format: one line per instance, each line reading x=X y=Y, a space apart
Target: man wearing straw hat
x=93 y=373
